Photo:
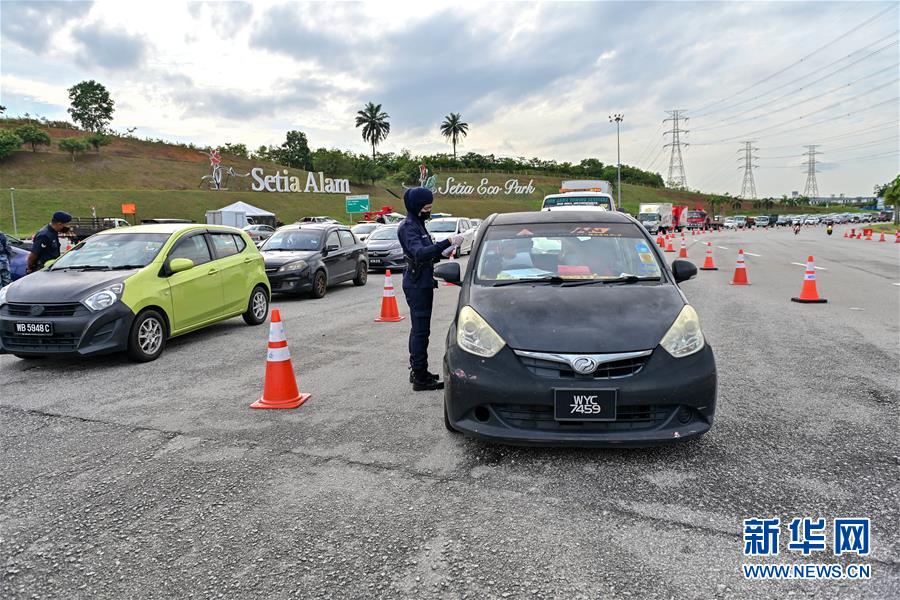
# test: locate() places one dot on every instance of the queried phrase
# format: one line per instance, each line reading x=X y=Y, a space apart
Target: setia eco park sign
x=512 y=187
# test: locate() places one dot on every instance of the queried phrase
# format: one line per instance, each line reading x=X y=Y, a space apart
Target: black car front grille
x=559 y=370
x=540 y=417
x=58 y=342
x=379 y=253
x=42 y=310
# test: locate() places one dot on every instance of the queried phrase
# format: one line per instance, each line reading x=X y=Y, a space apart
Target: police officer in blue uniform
x=418 y=282
x=45 y=245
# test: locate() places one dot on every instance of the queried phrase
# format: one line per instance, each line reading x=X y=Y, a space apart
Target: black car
x=309 y=257
x=384 y=249
x=571 y=330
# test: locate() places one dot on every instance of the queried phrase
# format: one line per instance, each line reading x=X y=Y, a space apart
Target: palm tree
x=453 y=127
x=374 y=123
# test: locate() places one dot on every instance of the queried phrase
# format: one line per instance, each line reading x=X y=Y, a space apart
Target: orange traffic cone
x=708 y=264
x=280 y=387
x=740 y=270
x=859 y=236
x=660 y=241
x=845 y=234
x=683 y=252
x=669 y=247
x=897 y=238
x=692 y=233
x=809 y=294
x=389 y=311
x=881 y=239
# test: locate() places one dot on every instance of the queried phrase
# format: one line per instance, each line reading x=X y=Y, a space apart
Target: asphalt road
x=158 y=481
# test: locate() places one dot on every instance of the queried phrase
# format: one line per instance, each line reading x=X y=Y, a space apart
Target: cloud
x=283 y=96
x=226 y=18
x=31 y=25
x=106 y=47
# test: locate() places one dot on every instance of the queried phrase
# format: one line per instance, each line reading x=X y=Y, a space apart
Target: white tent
x=248 y=209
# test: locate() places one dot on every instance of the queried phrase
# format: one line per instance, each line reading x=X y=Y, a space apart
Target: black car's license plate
x=374 y=261
x=584 y=405
x=34 y=328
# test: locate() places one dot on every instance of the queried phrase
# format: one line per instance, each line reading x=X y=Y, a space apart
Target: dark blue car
x=19 y=258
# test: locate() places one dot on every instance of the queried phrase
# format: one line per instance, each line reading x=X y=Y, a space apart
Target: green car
x=132 y=289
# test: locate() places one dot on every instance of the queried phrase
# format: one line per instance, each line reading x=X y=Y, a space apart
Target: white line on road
x=721 y=247
x=751 y=254
x=896 y=284
x=817 y=267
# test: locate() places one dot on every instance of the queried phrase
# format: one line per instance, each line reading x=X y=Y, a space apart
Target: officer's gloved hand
x=456 y=240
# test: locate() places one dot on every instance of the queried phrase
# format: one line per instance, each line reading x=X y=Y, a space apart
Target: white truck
x=656 y=218
x=581 y=194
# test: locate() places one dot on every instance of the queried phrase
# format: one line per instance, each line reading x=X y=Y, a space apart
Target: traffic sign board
x=358 y=204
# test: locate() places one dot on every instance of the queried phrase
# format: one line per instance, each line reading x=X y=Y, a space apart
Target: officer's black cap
x=61 y=217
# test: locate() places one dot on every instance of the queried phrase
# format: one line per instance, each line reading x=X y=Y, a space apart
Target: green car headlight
x=474 y=335
x=104 y=298
x=684 y=336
x=297 y=265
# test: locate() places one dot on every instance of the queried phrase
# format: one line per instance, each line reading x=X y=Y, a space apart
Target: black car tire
x=362 y=274
x=257 y=307
x=147 y=337
x=319 y=285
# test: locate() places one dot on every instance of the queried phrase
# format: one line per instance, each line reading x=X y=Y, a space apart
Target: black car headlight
x=297 y=265
x=475 y=336
x=684 y=336
x=3 y=295
x=104 y=298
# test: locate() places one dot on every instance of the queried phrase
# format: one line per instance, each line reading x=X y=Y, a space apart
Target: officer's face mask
x=425 y=213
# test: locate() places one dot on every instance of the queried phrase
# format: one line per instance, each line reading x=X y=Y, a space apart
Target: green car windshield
x=576 y=251
x=113 y=251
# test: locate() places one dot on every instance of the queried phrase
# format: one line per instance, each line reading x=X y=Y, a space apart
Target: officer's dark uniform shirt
x=45 y=245
x=416 y=242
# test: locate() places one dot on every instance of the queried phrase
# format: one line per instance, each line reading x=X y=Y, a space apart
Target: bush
x=97 y=139
x=9 y=142
x=30 y=134
x=74 y=146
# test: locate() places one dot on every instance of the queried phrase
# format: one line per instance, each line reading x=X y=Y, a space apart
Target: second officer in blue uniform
x=418 y=281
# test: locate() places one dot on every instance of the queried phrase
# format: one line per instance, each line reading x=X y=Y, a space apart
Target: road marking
x=818 y=267
x=896 y=284
x=751 y=254
x=856 y=308
x=721 y=247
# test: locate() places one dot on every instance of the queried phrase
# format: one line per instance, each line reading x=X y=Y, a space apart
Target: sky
x=530 y=79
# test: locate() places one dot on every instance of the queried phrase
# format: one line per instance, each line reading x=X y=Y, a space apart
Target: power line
x=811 y=190
x=676 y=179
x=700 y=110
x=748 y=185
x=855 y=134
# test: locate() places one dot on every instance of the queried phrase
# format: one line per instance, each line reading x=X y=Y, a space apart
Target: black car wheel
x=257 y=307
x=148 y=336
x=320 y=284
x=362 y=274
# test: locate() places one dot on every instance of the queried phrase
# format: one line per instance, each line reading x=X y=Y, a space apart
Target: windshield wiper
x=122 y=267
x=626 y=279
x=87 y=267
x=552 y=279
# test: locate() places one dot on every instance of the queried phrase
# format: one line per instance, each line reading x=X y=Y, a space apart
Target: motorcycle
x=796 y=228
x=829 y=229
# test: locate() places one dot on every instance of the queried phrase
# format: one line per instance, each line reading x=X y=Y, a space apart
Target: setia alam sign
x=316 y=183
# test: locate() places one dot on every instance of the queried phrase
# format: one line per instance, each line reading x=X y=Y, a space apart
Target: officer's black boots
x=428 y=374
x=424 y=381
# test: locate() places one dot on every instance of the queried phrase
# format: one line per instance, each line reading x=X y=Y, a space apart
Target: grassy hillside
x=164 y=181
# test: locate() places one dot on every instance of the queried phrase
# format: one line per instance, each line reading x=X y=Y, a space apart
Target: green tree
x=374 y=123
x=366 y=169
x=9 y=142
x=295 y=152
x=239 y=150
x=453 y=128
x=95 y=140
x=91 y=105
x=33 y=135
x=74 y=146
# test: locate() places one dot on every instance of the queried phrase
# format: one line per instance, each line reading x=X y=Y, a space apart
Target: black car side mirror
x=329 y=249
x=448 y=271
x=683 y=270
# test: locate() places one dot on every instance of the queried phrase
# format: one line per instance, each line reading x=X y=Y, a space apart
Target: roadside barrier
x=280 y=386
x=683 y=252
x=808 y=293
x=708 y=264
x=389 y=311
x=740 y=271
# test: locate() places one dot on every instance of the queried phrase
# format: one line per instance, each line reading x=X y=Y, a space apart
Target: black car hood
x=64 y=285
x=591 y=319
x=382 y=244
x=276 y=258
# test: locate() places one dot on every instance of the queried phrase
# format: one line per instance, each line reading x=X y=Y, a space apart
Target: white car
x=363 y=230
x=811 y=220
x=444 y=227
x=729 y=223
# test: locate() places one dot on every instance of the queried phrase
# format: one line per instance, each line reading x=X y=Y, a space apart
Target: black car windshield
x=113 y=251
x=441 y=226
x=568 y=251
x=598 y=201
x=293 y=239
x=384 y=233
